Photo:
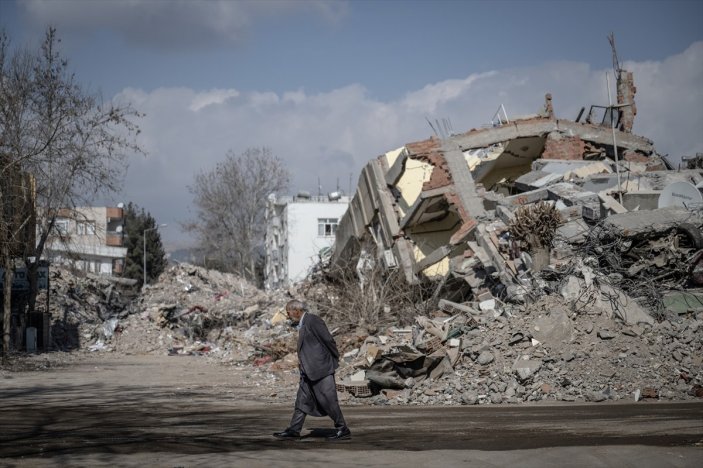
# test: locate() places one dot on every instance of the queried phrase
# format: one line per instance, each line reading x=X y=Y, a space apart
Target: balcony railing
x=114 y=240
x=115 y=213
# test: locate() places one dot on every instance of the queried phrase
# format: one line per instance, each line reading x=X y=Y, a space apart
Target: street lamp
x=144 y=249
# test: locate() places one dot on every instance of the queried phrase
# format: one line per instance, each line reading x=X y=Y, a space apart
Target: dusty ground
x=86 y=409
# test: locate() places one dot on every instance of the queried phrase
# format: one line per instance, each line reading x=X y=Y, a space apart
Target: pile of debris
x=584 y=341
x=193 y=310
x=561 y=348
x=581 y=222
x=85 y=309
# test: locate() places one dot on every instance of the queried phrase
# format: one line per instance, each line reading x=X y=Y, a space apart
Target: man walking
x=318 y=357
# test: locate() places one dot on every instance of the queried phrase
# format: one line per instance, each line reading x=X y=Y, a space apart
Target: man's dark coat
x=317 y=351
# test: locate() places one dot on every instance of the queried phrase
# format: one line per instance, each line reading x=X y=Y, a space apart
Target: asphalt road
x=77 y=416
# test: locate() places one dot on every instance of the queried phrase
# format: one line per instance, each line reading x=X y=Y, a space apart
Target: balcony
x=114 y=239
x=115 y=213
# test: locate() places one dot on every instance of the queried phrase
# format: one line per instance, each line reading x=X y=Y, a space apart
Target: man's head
x=295 y=310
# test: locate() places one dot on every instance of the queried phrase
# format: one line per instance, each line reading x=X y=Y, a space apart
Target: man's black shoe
x=287 y=434
x=341 y=434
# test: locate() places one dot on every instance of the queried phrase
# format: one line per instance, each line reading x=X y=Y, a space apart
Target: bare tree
x=72 y=144
x=231 y=204
x=366 y=293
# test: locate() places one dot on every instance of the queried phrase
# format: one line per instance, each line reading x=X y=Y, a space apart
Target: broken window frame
x=610 y=113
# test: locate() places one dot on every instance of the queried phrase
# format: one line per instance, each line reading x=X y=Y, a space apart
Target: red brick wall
x=563 y=147
x=626 y=94
x=429 y=151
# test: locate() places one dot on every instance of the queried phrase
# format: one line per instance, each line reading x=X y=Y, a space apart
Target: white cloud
x=172 y=24
x=214 y=96
x=332 y=135
x=670 y=102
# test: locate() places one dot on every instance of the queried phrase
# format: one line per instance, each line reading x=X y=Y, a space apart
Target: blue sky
x=329 y=85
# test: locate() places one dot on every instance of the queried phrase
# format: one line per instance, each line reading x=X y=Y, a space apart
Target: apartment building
x=298 y=229
x=89 y=239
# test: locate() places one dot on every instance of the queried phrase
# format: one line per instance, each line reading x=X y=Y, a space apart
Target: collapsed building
x=440 y=210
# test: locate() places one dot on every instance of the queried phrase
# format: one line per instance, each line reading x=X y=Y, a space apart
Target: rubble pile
x=583 y=339
x=526 y=223
x=85 y=309
x=613 y=312
x=554 y=349
x=193 y=310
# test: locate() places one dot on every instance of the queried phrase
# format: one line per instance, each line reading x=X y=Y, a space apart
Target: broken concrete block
x=606 y=335
x=525 y=198
x=611 y=204
x=485 y=358
x=595 y=397
x=574 y=231
x=596 y=167
x=553 y=328
x=646 y=223
x=444 y=366
x=626 y=309
x=573 y=195
x=469 y=398
x=505 y=214
x=536 y=179
x=571 y=290
x=526 y=368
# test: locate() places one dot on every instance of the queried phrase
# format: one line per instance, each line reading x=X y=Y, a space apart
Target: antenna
x=319 y=187
x=612 y=127
x=616 y=62
x=432 y=127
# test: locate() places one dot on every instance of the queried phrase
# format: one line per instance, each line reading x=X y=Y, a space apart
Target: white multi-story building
x=298 y=229
x=89 y=239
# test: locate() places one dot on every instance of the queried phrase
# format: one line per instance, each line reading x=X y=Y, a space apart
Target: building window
x=61 y=226
x=327 y=227
x=85 y=228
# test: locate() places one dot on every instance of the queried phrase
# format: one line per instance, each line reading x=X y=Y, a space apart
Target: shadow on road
x=92 y=419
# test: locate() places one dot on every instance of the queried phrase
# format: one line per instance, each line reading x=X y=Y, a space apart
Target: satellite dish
x=682 y=194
